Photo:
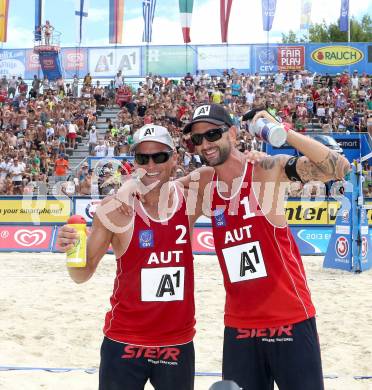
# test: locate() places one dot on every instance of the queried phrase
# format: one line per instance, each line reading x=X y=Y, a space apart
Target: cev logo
x=342 y=246
x=337 y=55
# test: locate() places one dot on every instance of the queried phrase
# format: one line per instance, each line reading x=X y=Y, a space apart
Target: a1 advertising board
x=337 y=58
x=291 y=58
x=26 y=238
x=168 y=60
x=34 y=211
x=106 y=62
x=75 y=61
x=217 y=58
x=12 y=63
x=265 y=59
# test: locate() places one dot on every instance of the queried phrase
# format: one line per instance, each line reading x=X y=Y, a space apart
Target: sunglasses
x=211 y=135
x=157 y=158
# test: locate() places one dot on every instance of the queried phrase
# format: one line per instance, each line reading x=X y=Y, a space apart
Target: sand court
x=49 y=321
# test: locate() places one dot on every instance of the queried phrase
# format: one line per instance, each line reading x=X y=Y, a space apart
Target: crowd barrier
x=176 y=60
x=30 y=224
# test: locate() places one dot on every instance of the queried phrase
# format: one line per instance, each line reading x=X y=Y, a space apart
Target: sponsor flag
x=344 y=15
x=268 y=12
x=148 y=10
x=116 y=21
x=80 y=13
x=305 y=14
x=225 y=9
x=186 y=14
x=38 y=18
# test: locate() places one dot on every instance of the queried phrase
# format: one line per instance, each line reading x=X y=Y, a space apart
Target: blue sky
x=245 y=21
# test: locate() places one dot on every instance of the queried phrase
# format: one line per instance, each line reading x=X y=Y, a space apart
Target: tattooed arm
x=319 y=162
x=332 y=167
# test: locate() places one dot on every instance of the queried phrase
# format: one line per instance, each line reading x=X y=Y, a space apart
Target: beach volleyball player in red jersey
x=150 y=328
x=270 y=330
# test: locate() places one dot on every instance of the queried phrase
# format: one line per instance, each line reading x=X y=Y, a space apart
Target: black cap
x=211 y=113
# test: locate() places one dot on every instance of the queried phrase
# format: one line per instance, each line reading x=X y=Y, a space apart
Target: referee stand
x=350 y=247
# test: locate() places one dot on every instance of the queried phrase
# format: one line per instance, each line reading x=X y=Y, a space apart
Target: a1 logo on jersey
x=146 y=239
x=219 y=218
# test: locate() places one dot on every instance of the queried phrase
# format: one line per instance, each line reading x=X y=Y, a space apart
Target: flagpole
x=349 y=34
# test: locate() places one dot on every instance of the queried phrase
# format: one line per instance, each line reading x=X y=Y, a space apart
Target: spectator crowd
x=43 y=122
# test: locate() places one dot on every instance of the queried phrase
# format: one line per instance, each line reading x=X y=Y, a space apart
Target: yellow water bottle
x=77 y=256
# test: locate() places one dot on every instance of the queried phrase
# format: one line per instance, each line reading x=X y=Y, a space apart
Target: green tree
x=360 y=31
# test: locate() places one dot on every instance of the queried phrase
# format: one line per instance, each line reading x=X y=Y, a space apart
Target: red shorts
x=71 y=135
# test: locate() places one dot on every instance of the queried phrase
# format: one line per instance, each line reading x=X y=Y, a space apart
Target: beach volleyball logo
x=205 y=239
x=30 y=238
x=342 y=246
x=364 y=250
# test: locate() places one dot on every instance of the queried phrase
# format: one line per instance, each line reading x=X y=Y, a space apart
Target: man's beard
x=224 y=153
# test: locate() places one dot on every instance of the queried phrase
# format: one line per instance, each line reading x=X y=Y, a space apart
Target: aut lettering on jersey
x=164 y=353
x=236 y=235
x=165 y=257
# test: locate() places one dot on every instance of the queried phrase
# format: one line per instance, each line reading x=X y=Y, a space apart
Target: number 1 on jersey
x=248 y=213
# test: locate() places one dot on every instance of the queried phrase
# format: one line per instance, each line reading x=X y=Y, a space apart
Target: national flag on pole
x=148 y=10
x=186 y=14
x=305 y=14
x=80 y=13
x=268 y=13
x=225 y=9
x=38 y=18
x=116 y=21
x=344 y=15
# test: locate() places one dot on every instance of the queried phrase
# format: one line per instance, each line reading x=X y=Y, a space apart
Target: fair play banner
x=26 y=238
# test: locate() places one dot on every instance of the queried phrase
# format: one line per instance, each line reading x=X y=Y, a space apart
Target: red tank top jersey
x=262 y=268
x=153 y=299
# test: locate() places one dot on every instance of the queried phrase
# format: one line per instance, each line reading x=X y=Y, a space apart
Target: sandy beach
x=49 y=321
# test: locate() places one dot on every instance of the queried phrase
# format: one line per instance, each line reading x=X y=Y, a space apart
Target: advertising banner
x=265 y=59
x=291 y=58
x=74 y=61
x=12 y=63
x=34 y=211
x=29 y=239
x=168 y=60
x=202 y=241
x=86 y=207
x=106 y=62
x=32 y=64
x=217 y=58
x=312 y=241
x=337 y=58
x=50 y=64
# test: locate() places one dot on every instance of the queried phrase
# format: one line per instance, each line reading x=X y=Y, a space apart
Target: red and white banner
x=202 y=241
x=291 y=57
x=26 y=238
